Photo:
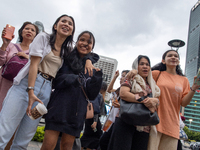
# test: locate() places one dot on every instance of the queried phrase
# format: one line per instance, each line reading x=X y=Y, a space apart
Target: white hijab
x=139 y=82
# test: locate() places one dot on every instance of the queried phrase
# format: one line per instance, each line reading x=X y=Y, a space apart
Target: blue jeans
x=13 y=114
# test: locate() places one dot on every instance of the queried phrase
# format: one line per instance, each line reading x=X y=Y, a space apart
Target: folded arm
x=126 y=95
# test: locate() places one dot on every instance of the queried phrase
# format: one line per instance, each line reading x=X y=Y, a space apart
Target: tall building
x=108 y=66
x=192 y=111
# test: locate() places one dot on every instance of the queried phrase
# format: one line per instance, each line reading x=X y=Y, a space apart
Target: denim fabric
x=13 y=113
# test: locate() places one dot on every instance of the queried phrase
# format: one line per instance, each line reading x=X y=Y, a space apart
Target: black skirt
x=63 y=128
x=90 y=139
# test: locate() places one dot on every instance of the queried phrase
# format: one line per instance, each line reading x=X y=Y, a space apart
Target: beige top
x=50 y=64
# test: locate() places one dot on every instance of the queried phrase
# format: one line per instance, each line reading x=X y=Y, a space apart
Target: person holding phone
x=175 y=92
x=32 y=85
x=27 y=33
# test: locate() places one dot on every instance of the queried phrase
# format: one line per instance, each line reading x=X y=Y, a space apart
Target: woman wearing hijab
x=130 y=137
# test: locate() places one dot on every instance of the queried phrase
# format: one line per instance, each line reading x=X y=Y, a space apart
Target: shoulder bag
x=13 y=66
x=137 y=114
x=90 y=109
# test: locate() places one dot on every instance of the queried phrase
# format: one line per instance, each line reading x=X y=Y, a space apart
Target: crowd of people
x=59 y=75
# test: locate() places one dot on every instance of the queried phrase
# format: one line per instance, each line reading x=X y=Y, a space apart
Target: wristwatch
x=29 y=88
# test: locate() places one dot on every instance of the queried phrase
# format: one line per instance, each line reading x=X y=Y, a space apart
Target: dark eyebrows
x=90 y=40
x=173 y=55
x=64 y=19
x=142 y=63
x=70 y=22
x=81 y=38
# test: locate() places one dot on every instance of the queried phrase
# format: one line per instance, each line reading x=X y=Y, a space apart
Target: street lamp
x=190 y=120
x=176 y=43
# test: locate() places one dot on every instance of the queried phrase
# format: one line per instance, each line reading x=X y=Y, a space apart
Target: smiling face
x=65 y=26
x=171 y=59
x=85 y=44
x=143 y=68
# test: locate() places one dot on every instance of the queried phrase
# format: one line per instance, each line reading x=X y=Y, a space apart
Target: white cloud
x=123 y=29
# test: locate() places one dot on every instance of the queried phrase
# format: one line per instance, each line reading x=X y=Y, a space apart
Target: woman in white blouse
x=46 y=54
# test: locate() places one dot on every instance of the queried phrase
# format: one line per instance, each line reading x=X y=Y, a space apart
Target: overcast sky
x=123 y=28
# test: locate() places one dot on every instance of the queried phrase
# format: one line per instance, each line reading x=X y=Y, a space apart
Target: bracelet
x=29 y=88
x=192 y=89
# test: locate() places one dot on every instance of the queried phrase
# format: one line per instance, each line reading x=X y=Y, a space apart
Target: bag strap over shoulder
x=17 y=47
x=87 y=99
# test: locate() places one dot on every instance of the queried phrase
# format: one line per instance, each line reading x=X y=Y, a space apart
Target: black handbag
x=137 y=114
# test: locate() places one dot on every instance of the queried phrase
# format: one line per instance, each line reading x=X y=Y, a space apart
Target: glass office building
x=192 y=111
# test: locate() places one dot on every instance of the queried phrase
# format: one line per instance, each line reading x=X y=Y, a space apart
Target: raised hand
x=5 y=41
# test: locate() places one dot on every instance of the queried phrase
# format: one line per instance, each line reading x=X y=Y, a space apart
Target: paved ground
x=37 y=145
x=186 y=148
x=34 y=145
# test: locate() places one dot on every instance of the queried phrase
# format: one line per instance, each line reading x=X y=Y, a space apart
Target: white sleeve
x=38 y=44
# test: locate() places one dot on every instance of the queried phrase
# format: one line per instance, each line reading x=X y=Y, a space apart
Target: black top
x=68 y=105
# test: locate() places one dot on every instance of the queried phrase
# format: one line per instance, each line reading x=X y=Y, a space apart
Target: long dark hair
x=162 y=67
x=91 y=37
x=73 y=59
x=22 y=28
x=67 y=45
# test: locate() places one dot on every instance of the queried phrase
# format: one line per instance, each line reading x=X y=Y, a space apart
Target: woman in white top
x=46 y=55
